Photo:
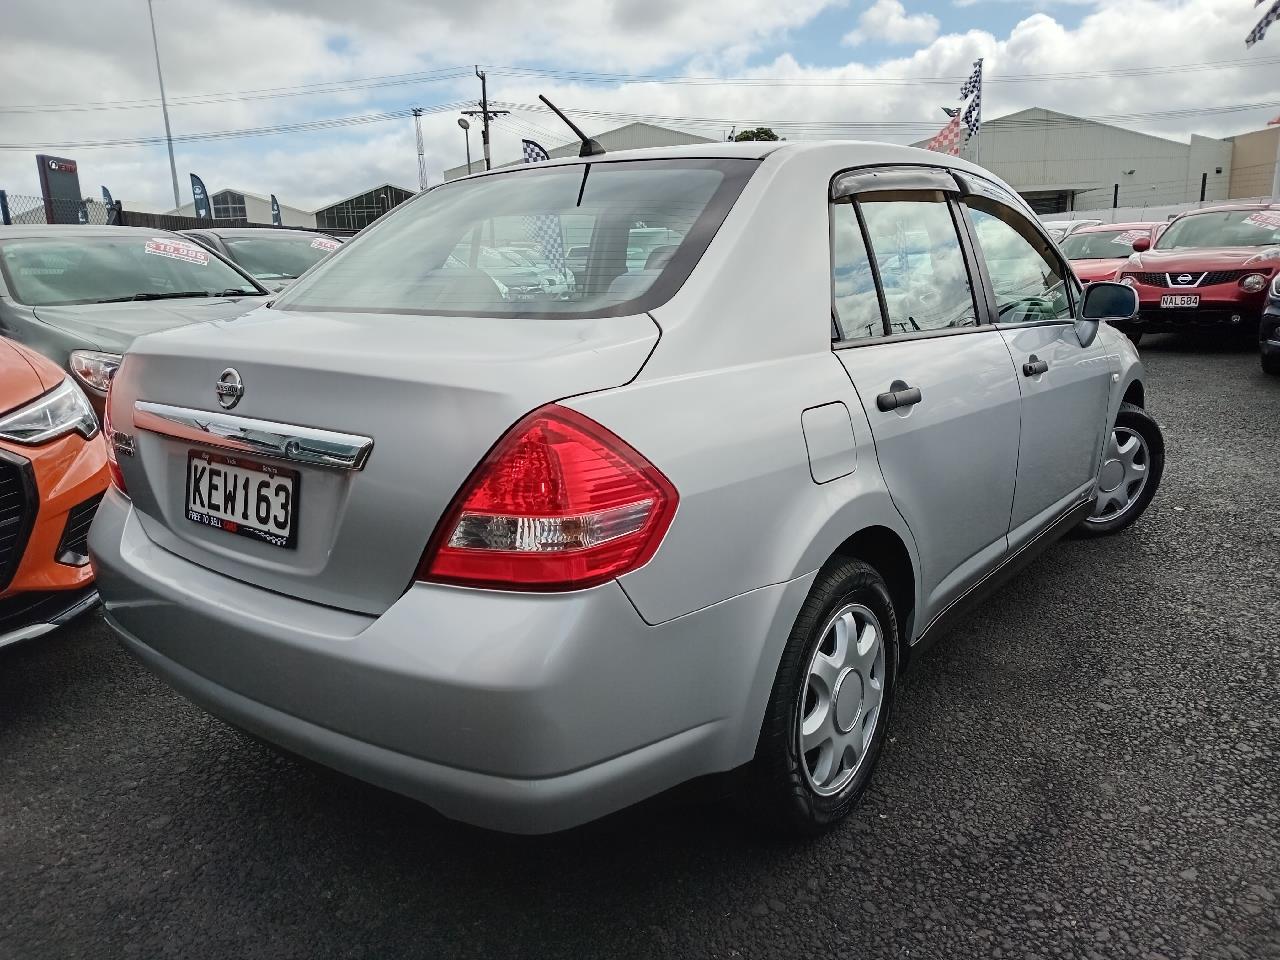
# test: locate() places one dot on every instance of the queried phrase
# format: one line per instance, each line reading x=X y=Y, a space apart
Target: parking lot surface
x=1090 y=767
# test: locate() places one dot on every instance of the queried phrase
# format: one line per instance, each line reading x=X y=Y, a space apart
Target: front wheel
x=1271 y=364
x=825 y=723
x=1132 y=466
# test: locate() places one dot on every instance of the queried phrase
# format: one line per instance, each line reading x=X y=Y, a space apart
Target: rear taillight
x=559 y=504
x=113 y=465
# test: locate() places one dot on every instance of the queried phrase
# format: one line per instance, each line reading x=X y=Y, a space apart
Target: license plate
x=242 y=496
x=1180 y=301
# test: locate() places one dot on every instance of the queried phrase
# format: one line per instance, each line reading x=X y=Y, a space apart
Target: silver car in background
x=533 y=562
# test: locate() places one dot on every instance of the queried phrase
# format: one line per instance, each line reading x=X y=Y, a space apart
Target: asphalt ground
x=1090 y=767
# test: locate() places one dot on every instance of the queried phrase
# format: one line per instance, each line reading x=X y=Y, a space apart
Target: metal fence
x=22 y=209
x=1146 y=213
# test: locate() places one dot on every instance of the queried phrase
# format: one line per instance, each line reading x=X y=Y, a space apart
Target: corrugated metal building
x=242 y=205
x=1059 y=162
x=633 y=136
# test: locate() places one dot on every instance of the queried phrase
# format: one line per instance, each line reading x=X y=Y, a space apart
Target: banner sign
x=201 y=197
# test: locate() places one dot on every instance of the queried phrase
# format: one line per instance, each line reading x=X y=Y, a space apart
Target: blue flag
x=201 y=197
x=111 y=206
x=275 y=212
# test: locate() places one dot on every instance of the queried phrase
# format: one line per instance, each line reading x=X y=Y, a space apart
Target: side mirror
x=1104 y=301
x=1141 y=244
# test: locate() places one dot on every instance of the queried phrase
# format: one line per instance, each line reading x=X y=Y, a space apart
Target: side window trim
x=875 y=267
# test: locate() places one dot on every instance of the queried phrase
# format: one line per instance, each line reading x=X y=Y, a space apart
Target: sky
x=78 y=78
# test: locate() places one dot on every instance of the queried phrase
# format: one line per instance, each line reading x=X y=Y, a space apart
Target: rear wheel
x=829 y=709
x=1132 y=465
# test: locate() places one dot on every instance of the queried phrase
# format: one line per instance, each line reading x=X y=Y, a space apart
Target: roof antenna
x=590 y=147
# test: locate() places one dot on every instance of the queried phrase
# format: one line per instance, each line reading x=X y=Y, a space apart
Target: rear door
x=1065 y=386
x=936 y=383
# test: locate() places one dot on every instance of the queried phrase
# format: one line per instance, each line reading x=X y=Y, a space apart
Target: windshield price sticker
x=1129 y=236
x=177 y=250
x=323 y=243
x=1265 y=218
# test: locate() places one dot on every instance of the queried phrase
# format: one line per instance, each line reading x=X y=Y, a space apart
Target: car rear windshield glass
x=1227 y=228
x=1104 y=245
x=46 y=272
x=581 y=240
x=279 y=257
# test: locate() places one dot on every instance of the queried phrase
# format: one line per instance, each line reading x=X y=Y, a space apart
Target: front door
x=1065 y=386
x=937 y=386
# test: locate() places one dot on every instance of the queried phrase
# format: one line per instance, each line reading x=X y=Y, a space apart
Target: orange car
x=53 y=470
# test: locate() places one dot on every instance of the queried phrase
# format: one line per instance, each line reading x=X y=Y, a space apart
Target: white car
x=533 y=561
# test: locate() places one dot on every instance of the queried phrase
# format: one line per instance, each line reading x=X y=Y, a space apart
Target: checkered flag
x=973 y=112
x=544 y=228
x=1260 y=31
x=974 y=83
x=949 y=138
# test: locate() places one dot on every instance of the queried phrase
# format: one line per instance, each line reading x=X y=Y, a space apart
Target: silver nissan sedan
x=531 y=560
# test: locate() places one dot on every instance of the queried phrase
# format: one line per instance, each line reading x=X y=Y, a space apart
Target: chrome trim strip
x=265 y=438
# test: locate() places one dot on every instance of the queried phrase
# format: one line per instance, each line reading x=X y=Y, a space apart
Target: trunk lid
x=433 y=394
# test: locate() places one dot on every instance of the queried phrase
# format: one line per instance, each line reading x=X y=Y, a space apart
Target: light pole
x=466 y=132
x=164 y=107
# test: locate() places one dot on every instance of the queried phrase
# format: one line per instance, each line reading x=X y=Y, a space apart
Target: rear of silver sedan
x=369 y=524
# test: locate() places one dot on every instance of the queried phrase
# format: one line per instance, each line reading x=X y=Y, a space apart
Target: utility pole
x=422 y=159
x=485 y=113
x=164 y=107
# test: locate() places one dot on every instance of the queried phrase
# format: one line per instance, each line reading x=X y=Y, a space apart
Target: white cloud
x=105 y=54
x=889 y=21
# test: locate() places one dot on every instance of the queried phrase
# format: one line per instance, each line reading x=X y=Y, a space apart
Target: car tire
x=799 y=793
x=1123 y=496
x=1270 y=364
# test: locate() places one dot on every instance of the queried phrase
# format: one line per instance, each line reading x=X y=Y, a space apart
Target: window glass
x=49 y=272
x=921 y=263
x=280 y=256
x=853 y=285
x=585 y=240
x=1029 y=281
x=1224 y=228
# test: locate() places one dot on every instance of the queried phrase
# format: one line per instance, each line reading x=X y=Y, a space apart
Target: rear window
x=50 y=272
x=584 y=240
x=279 y=257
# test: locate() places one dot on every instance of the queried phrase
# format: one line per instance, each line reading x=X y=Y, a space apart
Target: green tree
x=759 y=133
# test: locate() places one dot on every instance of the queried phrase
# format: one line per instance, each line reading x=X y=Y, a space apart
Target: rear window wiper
x=229 y=292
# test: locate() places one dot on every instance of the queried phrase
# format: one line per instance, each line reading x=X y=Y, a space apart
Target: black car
x=274 y=256
x=1269 y=330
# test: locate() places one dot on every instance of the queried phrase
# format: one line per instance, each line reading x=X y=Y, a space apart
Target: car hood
x=1206 y=258
x=113 y=326
x=20 y=380
x=1097 y=269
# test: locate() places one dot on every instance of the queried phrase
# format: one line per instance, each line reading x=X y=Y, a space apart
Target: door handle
x=898 y=396
x=1034 y=366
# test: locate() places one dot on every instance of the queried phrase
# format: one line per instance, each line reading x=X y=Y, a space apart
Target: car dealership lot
x=1088 y=767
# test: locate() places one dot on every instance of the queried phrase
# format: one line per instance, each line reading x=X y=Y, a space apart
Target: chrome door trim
x=265 y=438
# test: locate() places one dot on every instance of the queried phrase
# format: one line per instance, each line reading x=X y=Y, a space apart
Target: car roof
x=74 y=230
x=1106 y=227
x=233 y=232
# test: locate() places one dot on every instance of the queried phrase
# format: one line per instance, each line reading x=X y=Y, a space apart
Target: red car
x=1098 y=252
x=1210 y=269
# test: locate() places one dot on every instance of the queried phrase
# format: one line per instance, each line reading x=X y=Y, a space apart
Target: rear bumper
x=516 y=712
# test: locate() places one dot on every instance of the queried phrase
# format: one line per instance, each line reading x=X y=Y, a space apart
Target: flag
x=1260 y=31
x=948 y=139
x=974 y=83
x=544 y=228
x=973 y=113
x=275 y=212
x=111 y=206
x=200 y=196
x=1272 y=123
